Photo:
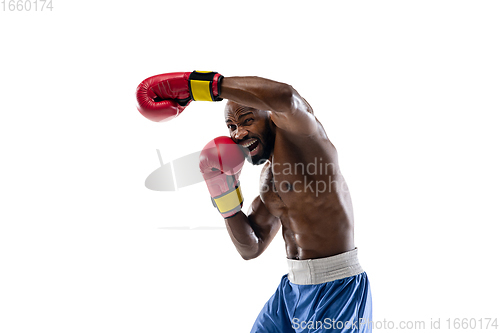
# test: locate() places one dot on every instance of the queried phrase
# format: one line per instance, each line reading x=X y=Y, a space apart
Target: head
x=251 y=128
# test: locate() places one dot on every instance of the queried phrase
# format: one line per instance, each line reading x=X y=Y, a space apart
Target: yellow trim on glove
x=201 y=90
x=230 y=201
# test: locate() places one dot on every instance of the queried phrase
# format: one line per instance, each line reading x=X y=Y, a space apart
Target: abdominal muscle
x=313 y=227
x=313 y=245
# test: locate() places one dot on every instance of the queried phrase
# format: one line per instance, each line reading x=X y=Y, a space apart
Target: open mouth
x=251 y=144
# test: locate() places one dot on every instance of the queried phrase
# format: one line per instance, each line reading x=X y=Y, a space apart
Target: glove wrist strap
x=205 y=86
x=229 y=201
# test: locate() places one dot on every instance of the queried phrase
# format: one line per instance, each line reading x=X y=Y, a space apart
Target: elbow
x=249 y=256
x=285 y=97
x=286 y=93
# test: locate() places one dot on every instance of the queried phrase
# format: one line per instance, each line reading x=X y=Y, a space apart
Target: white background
x=408 y=91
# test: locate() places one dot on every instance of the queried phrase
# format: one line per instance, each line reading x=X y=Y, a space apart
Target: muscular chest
x=281 y=189
x=269 y=194
x=300 y=177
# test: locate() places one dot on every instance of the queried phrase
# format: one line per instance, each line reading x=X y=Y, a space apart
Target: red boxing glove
x=163 y=97
x=221 y=162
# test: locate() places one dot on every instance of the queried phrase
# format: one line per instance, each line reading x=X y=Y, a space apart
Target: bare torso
x=303 y=187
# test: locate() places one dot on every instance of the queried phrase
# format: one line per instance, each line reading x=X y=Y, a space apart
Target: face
x=252 y=129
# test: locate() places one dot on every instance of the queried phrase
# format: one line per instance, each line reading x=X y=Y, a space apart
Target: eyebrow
x=240 y=116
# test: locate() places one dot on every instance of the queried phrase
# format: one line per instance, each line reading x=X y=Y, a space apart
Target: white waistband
x=316 y=271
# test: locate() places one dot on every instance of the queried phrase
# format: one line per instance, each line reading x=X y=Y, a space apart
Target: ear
x=270 y=122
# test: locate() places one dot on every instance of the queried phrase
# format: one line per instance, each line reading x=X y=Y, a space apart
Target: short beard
x=267 y=148
x=262 y=158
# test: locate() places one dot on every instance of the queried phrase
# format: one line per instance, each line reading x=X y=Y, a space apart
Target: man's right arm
x=251 y=234
x=289 y=111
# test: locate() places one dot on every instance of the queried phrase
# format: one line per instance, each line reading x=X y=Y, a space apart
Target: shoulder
x=266 y=173
x=314 y=134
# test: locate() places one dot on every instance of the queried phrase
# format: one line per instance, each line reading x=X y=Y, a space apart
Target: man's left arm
x=289 y=111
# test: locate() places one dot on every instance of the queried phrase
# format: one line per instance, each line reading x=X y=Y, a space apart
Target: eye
x=248 y=121
x=231 y=127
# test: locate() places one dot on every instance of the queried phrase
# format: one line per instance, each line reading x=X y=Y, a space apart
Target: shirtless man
x=302 y=191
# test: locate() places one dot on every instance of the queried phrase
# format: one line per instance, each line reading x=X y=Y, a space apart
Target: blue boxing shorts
x=320 y=295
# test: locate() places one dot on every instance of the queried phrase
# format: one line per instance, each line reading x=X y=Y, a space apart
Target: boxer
x=301 y=190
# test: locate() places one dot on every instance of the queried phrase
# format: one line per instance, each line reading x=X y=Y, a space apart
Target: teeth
x=246 y=145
